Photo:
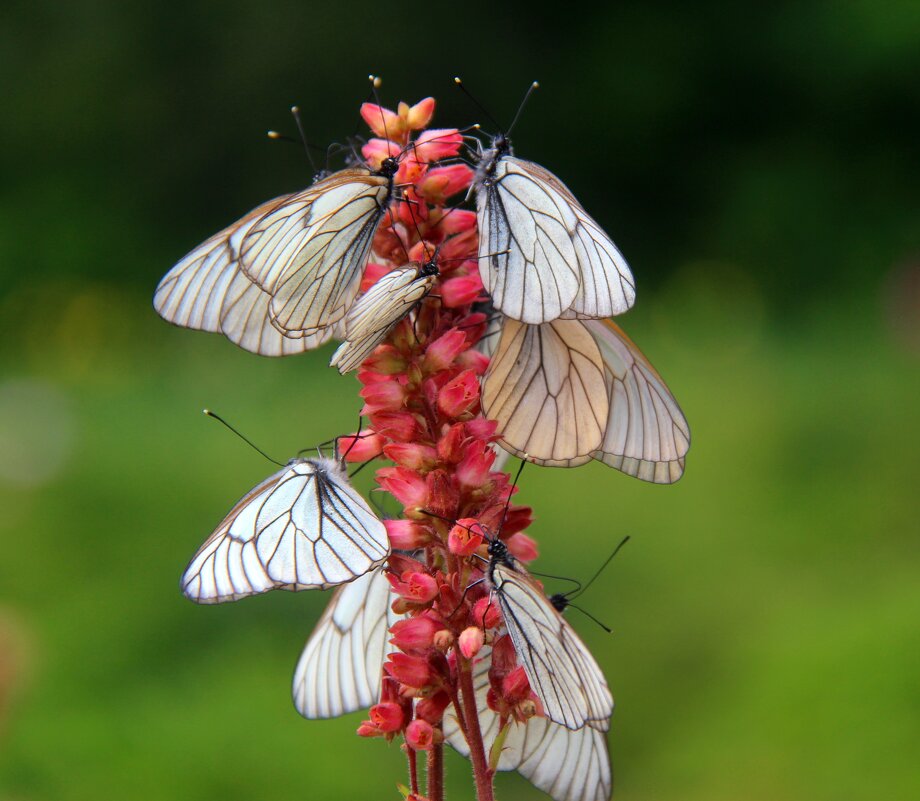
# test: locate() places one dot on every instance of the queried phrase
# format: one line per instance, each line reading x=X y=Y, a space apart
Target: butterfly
x=304 y=527
x=570 y=391
x=278 y=280
x=561 y=670
x=542 y=256
x=340 y=670
x=379 y=309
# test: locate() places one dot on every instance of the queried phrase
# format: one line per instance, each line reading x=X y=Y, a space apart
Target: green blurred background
x=759 y=168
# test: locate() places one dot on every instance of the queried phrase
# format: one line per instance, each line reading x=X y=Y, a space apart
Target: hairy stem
x=435 y=774
x=481 y=772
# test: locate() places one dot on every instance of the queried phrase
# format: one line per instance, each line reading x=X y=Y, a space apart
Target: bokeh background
x=759 y=168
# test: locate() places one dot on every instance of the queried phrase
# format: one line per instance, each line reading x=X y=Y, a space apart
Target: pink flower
x=442 y=495
x=475 y=361
x=441 y=183
x=414 y=633
x=387 y=716
x=381 y=121
x=487 y=614
x=458 y=222
x=473 y=469
x=360 y=447
x=407 y=486
x=463 y=539
x=459 y=396
x=410 y=671
x=418 y=116
x=461 y=291
x=521 y=546
x=452 y=443
x=411 y=455
x=437 y=144
x=421 y=735
x=418 y=588
x=471 y=641
x=401 y=426
x=431 y=709
x=386 y=361
x=407 y=535
x=388 y=396
x=481 y=428
x=441 y=353
x=376 y=150
x=372 y=274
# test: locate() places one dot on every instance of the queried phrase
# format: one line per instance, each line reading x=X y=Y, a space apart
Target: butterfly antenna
x=600 y=570
x=375 y=85
x=591 y=617
x=295 y=112
x=527 y=95
x=478 y=105
x=248 y=441
x=510 y=493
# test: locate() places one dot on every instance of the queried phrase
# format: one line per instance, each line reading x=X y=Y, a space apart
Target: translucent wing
x=568 y=765
x=302 y=528
x=559 y=263
x=647 y=435
x=562 y=671
x=309 y=253
x=545 y=386
x=375 y=313
x=527 y=258
x=606 y=284
x=207 y=291
x=340 y=668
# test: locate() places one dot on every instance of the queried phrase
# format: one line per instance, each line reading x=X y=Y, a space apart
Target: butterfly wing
x=309 y=253
x=560 y=668
x=568 y=765
x=545 y=386
x=208 y=291
x=527 y=257
x=302 y=528
x=377 y=311
x=606 y=284
x=647 y=435
x=340 y=668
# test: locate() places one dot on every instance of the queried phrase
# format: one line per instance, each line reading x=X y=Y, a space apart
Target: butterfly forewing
x=376 y=312
x=568 y=765
x=647 y=435
x=527 y=258
x=545 y=386
x=302 y=528
x=340 y=668
x=562 y=672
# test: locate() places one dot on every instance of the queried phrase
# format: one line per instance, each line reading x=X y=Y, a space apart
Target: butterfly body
x=302 y=528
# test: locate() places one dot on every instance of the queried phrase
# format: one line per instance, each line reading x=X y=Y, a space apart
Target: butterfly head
x=501 y=145
x=389 y=167
x=430 y=267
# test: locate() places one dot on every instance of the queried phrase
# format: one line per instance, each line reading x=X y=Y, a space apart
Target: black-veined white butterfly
x=379 y=309
x=340 y=669
x=561 y=670
x=276 y=281
x=569 y=391
x=304 y=527
x=542 y=256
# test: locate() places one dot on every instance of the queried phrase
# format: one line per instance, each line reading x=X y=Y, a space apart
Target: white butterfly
x=568 y=765
x=277 y=281
x=340 y=672
x=302 y=528
x=569 y=391
x=561 y=670
x=379 y=309
x=541 y=255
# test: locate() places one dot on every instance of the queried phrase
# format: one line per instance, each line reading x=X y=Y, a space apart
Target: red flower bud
x=515 y=686
x=431 y=709
x=421 y=735
x=461 y=290
x=463 y=539
x=411 y=455
x=407 y=486
x=437 y=144
x=522 y=547
x=360 y=447
x=471 y=641
x=386 y=361
x=414 y=633
x=372 y=274
x=411 y=671
x=441 y=353
x=401 y=426
x=442 y=495
x=407 y=535
x=459 y=396
x=441 y=183
x=369 y=729
x=473 y=469
x=487 y=614
x=419 y=115
x=480 y=428
x=475 y=361
x=387 y=716
x=381 y=121
x=450 y=446
x=388 y=396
